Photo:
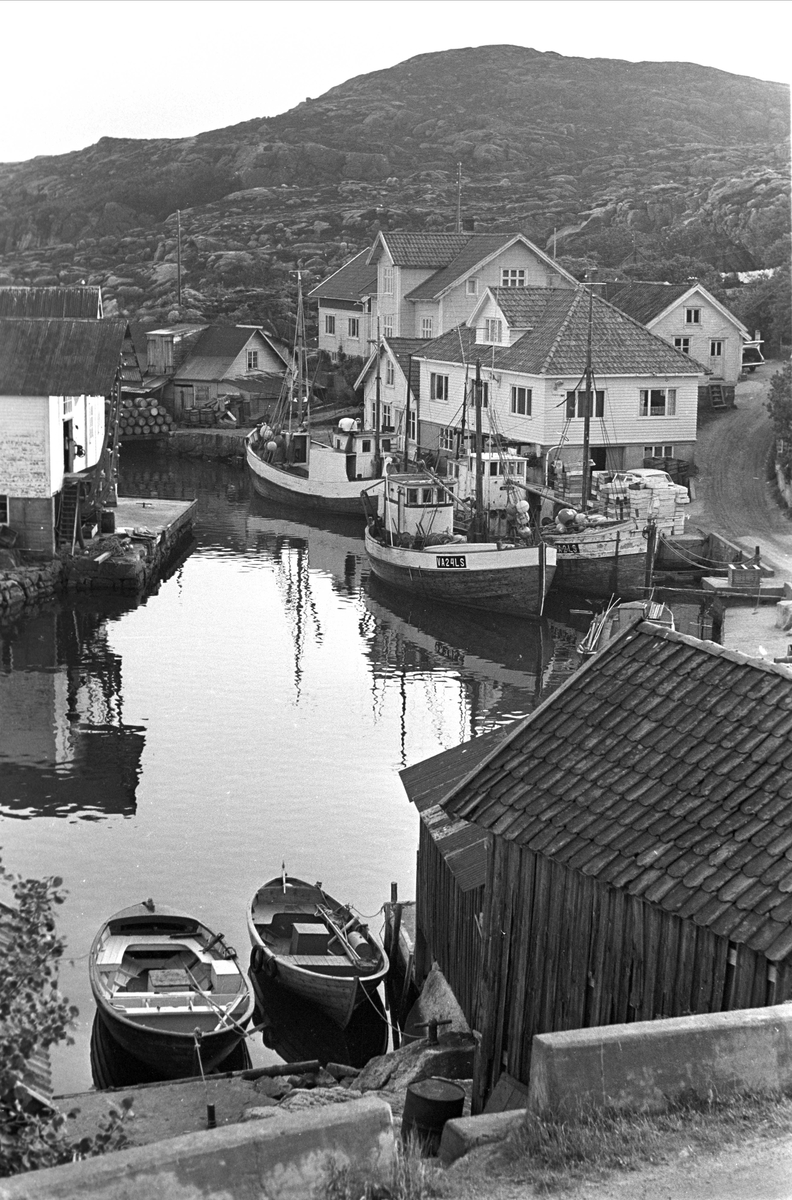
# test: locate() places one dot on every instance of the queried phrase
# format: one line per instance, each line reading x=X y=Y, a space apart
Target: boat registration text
x=451 y=560
x=568 y=548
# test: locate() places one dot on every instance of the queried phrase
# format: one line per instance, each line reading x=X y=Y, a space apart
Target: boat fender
x=257 y=959
x=270 y=968
x=360 y=945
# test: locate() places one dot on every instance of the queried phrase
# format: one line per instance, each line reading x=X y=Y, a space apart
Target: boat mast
x=479 y=462
x=377 y=405
x=407 y=416
x=587 y=406
x=299 y=348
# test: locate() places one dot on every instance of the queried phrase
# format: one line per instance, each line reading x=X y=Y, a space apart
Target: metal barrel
x=428 y=1105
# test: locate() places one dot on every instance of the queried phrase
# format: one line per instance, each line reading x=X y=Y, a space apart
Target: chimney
x=468 y=224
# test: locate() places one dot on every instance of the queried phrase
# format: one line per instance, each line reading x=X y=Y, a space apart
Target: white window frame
x=387 y=281
x=692 y=316
x=484 y=393
x=427 y=327
x=387 y=327
x=645 y=402
x=387 y=415
x=471 y=287
x=493 y=330
x=512 y=277
x=667 y=451
x=353 y=327
x=521 y=400
x=438 y=386
x=718 y=343
x=447 y=439
x=390 y=373
x=683 y=344
x=411 y=424
x=252 y=360
x=579 y=400
x=329 y=323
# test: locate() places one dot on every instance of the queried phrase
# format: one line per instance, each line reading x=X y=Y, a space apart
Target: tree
x=779 y=404
x=34 y=1016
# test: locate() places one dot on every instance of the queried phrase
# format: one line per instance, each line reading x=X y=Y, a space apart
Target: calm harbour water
x=256 y=709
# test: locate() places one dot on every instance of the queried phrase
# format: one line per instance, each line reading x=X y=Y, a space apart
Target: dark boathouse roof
x=663 y=767
x=73 y=301
x=64 y=357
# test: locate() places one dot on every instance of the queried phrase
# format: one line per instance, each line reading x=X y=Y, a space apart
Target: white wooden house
x=346 y=302
x=531 y=345
x=428 y=283
x=688 y=317
x=59 y=380
x=385 y=375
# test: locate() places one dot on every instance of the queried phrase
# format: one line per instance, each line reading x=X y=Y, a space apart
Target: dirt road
x=733 y=494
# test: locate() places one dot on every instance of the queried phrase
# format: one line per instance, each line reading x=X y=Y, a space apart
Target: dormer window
x=512 y=278
x=471 y=287
x=493 y=331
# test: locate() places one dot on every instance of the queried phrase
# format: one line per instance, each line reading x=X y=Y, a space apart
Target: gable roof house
x=60 y=382
x=687 y=316
x=428 y=283
x=236 y=362
x=393 y=360
x=531 y=343
x=346 y=301
x=639 y=825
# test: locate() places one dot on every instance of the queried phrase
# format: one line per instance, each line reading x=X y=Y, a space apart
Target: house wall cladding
x=565 y=952
x=24 y=461
x=448 y=919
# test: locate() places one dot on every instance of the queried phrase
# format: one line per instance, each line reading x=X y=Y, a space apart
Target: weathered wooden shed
x=640 y=861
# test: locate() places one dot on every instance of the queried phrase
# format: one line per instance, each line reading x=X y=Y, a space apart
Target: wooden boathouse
x=639 y=849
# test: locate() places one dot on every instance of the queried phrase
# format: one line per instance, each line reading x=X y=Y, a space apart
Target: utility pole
x=589 y=402
x=459 y=199
x=178 y=258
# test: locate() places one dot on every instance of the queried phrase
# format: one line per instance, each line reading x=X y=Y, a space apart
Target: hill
x=641 y=161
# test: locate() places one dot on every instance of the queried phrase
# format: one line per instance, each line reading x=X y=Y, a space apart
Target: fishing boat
x=314 y=946
x=167 y=989
x=287 y=462
x=616 y=617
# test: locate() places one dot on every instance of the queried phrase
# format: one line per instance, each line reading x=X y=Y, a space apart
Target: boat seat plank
x=112 y=951
x=324 y=963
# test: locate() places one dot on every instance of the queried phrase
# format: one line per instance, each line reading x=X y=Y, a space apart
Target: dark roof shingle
x=66 y=357
x=355 y=279
x=42 y=302
x=644 y=301
x=689 y=847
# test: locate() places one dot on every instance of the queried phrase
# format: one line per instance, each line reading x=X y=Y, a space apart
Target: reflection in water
x=65 y=749
x=300 y=1032
x=114 y=1067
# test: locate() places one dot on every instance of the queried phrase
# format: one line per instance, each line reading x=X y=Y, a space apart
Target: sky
x=77 y=70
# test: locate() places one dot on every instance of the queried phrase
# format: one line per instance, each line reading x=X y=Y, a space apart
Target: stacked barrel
x=142 y=417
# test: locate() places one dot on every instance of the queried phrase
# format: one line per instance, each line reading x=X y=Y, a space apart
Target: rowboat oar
x=225 y=1015
x=340 y=933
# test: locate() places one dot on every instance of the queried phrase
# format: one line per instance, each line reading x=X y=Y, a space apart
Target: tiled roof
x=644 y=301
x=662 y=767
x=479 y=246
x=355 y=279
x=555 y=343
x=45 y=302
x=62 y=357
x=425 y=249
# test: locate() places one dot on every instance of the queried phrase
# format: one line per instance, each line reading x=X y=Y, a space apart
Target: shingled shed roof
x=217 y=347
x=663 y=767
x=62 y=357
x=38 y=302
x=355 y=279
x=556 y=340
x=422 y=249
x=644 y=301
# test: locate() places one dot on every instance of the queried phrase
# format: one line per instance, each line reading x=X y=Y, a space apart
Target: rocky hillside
x=641 y=160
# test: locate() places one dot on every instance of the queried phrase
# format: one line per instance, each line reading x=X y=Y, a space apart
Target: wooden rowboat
x=314 y=946
x=162 y=981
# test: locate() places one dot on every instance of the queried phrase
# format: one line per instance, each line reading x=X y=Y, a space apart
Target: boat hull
x=275 y=482
x=169 y=1052
x=509 y=581
x=601 y=562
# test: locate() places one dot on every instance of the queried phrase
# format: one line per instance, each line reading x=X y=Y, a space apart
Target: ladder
x=716 y=396
x=69 y=512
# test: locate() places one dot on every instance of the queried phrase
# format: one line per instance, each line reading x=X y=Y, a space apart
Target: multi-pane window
x=387 y=326
x=448 y=439
x=387 y=416
x=512 y=277
x=716 y=348
x=354 y=327
x=662 y=451
x=387 y=281
x=683 y=344
x=692 y=316
x=427 y=327
x=576 y=404
x=521 y=401
x=252 y=360
x=390 y=373
x=329 y=324
x=438 y=386
x=484 y=385
x=471 y=287
x=657 y=402
x=411 y=424
x=493 y=331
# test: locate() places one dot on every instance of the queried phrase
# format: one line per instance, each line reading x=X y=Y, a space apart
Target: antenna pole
x=588 y=402
x=459 y=198
x=178 y=258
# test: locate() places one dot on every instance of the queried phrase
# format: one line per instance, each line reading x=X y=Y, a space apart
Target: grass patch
x=412 y=1178
x=552 y=1153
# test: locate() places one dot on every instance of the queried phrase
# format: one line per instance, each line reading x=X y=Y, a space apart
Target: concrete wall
x=648 y=1064
x=34 y=521
x=283 y=1158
